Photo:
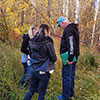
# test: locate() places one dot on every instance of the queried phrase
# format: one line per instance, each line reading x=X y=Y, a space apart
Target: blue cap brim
x=58 y=25
x=60 y=19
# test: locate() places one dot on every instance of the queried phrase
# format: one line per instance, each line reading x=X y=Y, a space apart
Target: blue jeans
x=68 y=75
x=26 y=74
x=39 y=81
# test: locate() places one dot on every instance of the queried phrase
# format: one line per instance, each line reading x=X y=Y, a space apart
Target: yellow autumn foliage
x=17 y=31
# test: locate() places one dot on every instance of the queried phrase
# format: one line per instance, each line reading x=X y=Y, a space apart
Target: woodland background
x=16 y=16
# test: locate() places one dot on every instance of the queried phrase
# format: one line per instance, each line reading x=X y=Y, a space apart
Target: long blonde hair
x=30 y=32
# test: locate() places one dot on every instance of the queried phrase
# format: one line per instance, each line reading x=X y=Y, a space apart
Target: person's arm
x=51 y=52
x=70 y=41
x=24 y=46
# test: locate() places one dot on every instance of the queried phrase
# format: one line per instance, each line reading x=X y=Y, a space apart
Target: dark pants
x=39 y=81
x=68 y=75
x=26 y=74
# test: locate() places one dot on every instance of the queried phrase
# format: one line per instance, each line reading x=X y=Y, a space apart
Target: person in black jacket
x=43 y=56
x=25 y=53
x=70 y=44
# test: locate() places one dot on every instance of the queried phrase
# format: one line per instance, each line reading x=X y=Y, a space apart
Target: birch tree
x=67 y=15
x=77 y=12
x=95 y=17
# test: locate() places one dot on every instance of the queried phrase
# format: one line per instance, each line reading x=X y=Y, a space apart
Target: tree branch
x=40 y=14
x=36 y=9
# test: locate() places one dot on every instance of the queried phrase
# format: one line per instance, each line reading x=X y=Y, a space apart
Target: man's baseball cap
x=60 y=19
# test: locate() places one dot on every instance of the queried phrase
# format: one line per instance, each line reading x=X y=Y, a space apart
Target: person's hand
x=69 y=63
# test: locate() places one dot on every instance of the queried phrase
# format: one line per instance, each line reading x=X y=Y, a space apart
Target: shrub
x=88 y=59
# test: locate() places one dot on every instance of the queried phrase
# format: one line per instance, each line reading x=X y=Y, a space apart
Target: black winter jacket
x=25 y=43
x=42 y=53
x=70 y=41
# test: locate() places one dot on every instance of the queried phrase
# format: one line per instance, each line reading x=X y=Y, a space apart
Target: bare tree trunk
x=22 y=18
x=67 y=11
x=77 y=12
x=18 y=19
x=61 y=7
x=48 y=9
x=96 y=13
x=63 y=10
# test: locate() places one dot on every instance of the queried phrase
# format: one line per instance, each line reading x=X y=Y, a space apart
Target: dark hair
x=43 y=29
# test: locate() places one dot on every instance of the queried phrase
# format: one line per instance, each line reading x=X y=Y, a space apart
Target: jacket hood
x=26 y=36
x=75 y=27
x=38 y=41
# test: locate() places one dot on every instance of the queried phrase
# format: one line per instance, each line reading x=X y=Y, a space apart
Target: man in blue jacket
x=70 y=44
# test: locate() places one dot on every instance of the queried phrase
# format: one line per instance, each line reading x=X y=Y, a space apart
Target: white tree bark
x=95 y=17
x=77 y=11
x=63 y=10
x=67 y=15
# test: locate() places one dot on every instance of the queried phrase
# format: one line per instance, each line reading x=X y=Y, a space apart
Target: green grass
x=87 y=82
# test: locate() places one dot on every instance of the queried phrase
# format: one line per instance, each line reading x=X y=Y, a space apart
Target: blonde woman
x=43 y=57
x=25 y=52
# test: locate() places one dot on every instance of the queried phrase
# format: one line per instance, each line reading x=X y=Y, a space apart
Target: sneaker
x=59 y=97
